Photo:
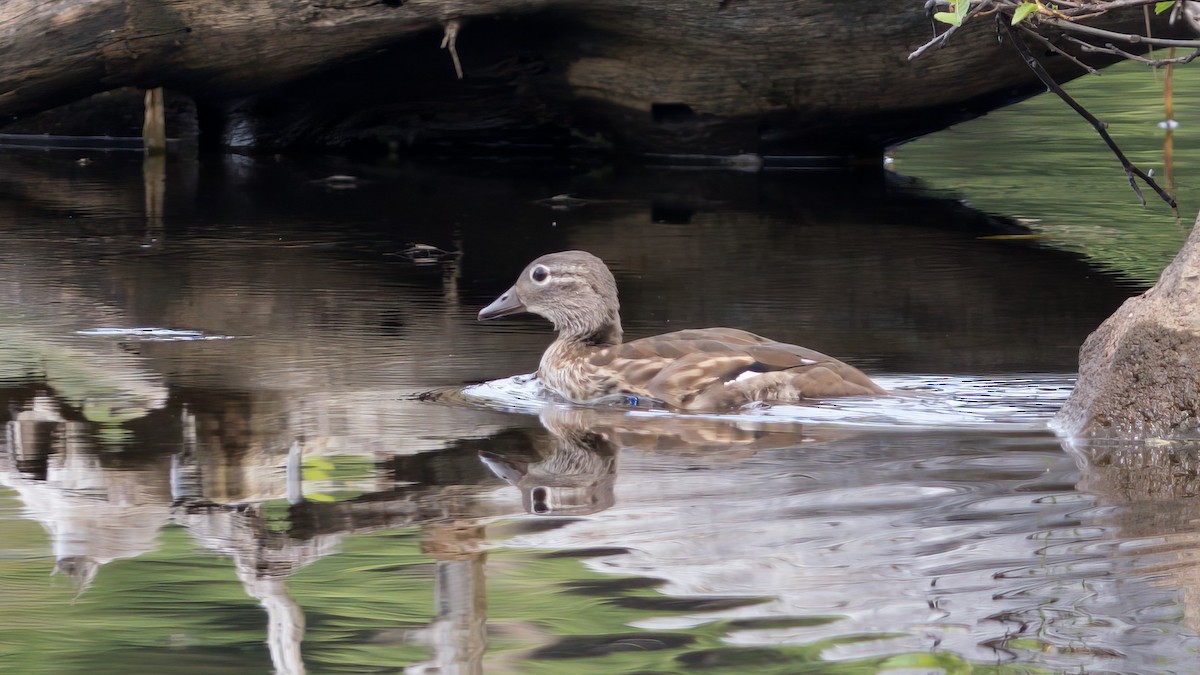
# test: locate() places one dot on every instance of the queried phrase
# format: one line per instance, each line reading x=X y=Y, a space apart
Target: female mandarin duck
x=703 y=369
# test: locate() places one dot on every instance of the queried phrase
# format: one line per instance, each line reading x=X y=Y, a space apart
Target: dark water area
x=251 y=427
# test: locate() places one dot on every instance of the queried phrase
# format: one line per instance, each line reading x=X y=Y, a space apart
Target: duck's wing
x=718 y=368
x=669 y=367
x=731 y=336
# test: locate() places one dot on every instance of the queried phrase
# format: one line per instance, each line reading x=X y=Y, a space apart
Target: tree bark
x=717 y=76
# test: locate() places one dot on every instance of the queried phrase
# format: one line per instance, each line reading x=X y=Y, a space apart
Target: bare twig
x=1053 y=47
x=935 y=42
x=1130 y=170
x=1101 y=7
x=1110 y=48
x=940 y=40
x=1119 y=37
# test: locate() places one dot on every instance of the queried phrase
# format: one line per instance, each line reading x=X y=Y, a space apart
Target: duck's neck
x=556 y=370
x=586 y=325
x=606 y=335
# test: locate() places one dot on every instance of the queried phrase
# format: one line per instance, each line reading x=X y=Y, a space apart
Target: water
x=1052 y=172
x=250 y=426
x=1009 y=403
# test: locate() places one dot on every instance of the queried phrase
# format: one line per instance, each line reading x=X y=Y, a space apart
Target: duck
x=704 y=370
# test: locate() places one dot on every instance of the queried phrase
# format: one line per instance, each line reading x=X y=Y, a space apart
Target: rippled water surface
x=250 y=426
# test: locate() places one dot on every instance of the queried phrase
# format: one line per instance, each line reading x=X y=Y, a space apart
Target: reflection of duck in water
x=575 y=475
x=577 y=470
x=704 y=369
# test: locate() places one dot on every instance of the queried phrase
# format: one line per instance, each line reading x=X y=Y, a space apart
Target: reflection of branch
x=1040 y=71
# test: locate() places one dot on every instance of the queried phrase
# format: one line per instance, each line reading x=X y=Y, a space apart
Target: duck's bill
x=505 y=305
x=507 y=470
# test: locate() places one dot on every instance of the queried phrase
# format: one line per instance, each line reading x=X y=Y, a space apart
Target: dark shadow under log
x=671 y=76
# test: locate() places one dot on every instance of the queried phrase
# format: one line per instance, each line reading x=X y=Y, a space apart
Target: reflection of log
x=1139 y=373
x=677 y=75
x=836 y=241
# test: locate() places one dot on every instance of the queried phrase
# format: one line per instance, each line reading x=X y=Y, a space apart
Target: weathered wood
x=653 y=75
x=154 y=127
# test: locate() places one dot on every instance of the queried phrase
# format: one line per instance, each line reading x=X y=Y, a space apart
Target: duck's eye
x=539 y=274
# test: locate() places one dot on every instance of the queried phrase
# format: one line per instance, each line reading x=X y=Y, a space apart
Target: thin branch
x=940 y=40
x=1053 y=47
x=1130 y=170
x=1102 y=7
x=935 y=42
x=1120 y=37
x=1110 y=48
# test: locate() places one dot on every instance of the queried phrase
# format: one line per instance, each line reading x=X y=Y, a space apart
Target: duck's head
x=573 y=290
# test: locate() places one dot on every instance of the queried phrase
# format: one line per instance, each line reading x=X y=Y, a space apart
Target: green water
x=945 y=530
x=1040 y=162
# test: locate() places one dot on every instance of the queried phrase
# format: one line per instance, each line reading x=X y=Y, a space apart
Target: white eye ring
x=540 y=275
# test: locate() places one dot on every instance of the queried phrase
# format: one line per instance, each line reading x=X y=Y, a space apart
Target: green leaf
x=960 y=10
x=1023 y=10
x=946 y=17
x=1160 y=7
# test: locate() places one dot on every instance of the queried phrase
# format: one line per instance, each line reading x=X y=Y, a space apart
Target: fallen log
x=1139 y=373
x=690 y=76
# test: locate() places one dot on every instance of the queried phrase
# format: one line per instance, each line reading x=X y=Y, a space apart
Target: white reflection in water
x=151 y=334
x=962 y=559
x=944 y=518
x=1011 y=402
x=968 y=537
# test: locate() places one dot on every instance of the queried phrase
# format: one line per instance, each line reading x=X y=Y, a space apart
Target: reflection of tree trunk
x=154 y=178
x=664 y=75
x=154 y=129
x=458 y=636
x=285 y=622
x=264 y=562
x=1139 y=373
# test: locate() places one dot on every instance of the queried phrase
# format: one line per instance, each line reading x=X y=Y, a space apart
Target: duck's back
x=713 y=369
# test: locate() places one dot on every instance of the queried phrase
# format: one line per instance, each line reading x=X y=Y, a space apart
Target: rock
x=1139 y=373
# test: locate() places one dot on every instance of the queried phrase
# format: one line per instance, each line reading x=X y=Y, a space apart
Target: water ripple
x=1011 y=403
x=151 y=334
